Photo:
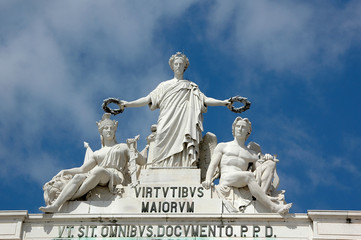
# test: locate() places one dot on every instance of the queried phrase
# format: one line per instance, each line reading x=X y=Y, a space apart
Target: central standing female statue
x=181 y=105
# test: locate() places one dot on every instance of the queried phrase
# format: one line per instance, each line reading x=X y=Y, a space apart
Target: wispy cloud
x=59 y=61
x=295 y=37
x=303 y=160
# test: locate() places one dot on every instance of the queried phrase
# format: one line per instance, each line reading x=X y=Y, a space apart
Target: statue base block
x=166 y=191
x=170 y=176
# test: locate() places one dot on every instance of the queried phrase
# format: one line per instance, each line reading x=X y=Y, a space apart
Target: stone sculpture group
x=176 y=142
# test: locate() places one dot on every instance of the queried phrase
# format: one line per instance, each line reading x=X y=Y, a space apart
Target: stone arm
x=215 y=102
x=86 y=167
x=136 y=103
x=216 y=159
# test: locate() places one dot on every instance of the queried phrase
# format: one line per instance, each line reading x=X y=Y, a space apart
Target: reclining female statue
x=106 y=166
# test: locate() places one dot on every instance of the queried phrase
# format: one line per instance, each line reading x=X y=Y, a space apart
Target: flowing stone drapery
x=179 y=129
x=116 y=163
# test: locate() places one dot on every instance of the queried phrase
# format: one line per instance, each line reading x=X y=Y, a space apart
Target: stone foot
x=49 y=209
x=283 y=209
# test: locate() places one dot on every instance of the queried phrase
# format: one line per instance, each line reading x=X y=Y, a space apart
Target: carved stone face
x=241 y=129
x=108 y=131
x=178 y=66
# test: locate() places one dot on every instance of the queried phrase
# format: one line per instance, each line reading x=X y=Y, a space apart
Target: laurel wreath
x=246 y=106
x=109 y=110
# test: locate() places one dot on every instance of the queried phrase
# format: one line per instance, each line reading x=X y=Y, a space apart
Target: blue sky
x=298 y=62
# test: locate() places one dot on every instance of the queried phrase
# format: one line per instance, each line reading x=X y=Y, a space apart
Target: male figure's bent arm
x=216 y=158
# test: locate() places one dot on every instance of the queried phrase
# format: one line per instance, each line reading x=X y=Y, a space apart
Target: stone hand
x=267 y=156
x=122 y=104
x=207 y=184
x=228 y=104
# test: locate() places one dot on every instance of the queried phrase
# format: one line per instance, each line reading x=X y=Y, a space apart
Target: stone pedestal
x=160 y=190
x=170 y=176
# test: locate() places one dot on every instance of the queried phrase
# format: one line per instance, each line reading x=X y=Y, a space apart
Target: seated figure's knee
x=269 y=165
x=273 y=165
x=250 y=177
x=98 y=171
x=78 y=178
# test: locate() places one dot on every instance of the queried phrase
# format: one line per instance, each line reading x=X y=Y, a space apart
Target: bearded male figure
x=179 y=127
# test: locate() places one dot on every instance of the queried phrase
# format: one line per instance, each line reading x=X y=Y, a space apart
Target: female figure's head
x=107 y=129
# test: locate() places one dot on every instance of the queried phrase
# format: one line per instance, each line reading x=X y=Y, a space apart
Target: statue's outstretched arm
x=136 y=103
x=215 y=102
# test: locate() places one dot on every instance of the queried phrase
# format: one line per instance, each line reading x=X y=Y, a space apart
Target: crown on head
x=106 y=121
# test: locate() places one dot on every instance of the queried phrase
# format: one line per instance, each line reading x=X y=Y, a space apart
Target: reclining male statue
x=106 y=166
x=233 y=159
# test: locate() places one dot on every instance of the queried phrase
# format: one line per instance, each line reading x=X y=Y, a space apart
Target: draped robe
x=179 y=128
x=116 y=163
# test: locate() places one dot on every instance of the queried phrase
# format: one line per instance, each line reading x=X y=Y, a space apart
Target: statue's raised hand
x=228 y=104
x=121 y=104
x=267 y=156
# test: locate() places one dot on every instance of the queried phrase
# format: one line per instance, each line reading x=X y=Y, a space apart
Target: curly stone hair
x=181 y=56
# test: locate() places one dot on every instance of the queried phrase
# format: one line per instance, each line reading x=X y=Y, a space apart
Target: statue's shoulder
x=223 y=145
x=231 y=148
x=168 y=82
x=122 y=146
x=165 y=84
x=96 y=152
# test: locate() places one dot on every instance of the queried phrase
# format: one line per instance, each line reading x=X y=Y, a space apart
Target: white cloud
x=296 y=37
x=303 y=160
x=60 y=60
